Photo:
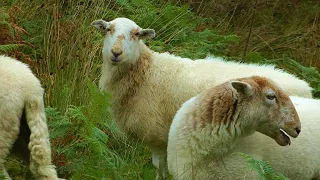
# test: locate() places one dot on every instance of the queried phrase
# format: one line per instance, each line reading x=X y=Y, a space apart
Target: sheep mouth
x=115 y=60
x=283 y=138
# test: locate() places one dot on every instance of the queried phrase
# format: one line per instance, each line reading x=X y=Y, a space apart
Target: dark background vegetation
x=56 y=40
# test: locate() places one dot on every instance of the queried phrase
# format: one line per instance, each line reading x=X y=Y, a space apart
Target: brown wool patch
x=133 y=34
x=112 y=29
x=121 y=37
x=137 y=74
x=216 y=104
x=118 y=46
x=264 y=83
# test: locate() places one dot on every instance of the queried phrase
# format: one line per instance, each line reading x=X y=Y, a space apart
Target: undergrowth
x=56 y=40
x=263 y=168
x=86 y=144
x=89 y=145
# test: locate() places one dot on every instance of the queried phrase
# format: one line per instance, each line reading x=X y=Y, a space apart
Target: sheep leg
x=163 y=166
x=159 y=160
x=9 y=125
x=40 y=161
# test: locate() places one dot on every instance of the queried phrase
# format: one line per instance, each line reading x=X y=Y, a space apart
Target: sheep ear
x=242 y=87
x=101 y=25
x=147 y=34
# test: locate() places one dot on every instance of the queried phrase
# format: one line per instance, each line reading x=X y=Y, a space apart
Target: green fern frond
x=263 y=168
x=9 y=47
x=59 y=123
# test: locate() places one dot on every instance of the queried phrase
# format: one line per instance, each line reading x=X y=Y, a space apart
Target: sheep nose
x=298 y=130
x=116 y=54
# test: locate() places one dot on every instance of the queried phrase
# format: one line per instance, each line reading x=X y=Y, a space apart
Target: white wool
x=21 y=91
x=298 y=161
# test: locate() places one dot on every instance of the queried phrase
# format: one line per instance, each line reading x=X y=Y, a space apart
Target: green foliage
x=9 y=47
x=5 y=24
x=4 y=20
x=254 y=57
x=2 y=177
x=263 y=168
x=211 y=44
x=88 y=145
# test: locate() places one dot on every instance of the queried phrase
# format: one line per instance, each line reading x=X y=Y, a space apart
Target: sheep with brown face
x=147 y=87
x=300 y=160
x=208 y=126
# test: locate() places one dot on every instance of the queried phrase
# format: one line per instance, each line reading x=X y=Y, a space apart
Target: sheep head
x=269 y=108
x=122 y=39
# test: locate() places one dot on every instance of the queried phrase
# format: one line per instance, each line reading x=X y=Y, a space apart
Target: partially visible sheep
x=147 y=87
x=22 y=119
x=208 y=126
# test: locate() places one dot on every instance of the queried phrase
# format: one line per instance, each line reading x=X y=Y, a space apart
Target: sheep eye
x=271 y=96
x=108 y=29
x=137 y=33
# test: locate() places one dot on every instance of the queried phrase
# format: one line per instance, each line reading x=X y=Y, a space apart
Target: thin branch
x=250 y=31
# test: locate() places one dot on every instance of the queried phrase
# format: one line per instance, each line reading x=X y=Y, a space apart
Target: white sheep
x=22 y=119
x=208 y=126
x=147 y=87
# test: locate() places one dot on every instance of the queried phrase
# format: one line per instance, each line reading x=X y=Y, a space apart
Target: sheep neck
x=124 y=80
x=220 y=122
